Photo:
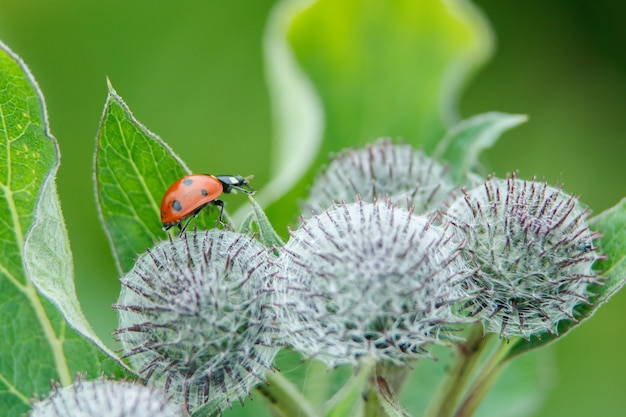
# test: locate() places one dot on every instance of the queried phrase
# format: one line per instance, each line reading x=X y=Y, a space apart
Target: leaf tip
x=111 y=91
x=521 y=118
x=109 y=84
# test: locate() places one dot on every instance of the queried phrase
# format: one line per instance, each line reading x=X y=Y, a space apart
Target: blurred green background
x=192 y=72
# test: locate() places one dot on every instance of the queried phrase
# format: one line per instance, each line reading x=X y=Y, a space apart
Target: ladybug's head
x=235 y=182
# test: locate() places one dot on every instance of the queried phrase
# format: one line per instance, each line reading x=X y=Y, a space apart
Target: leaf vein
x=139 y=176
x=13 y=390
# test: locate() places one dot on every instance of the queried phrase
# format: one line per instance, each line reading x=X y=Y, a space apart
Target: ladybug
x=186 y=198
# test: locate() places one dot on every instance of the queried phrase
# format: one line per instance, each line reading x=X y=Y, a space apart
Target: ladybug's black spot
x=176 y=205
x=204 y=193
x=187 y=181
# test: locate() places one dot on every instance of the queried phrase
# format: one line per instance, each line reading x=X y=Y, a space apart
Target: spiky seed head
x=380 y=170
x=367 y=279
x=195 y=317
x=105 y=398
x=533 y=252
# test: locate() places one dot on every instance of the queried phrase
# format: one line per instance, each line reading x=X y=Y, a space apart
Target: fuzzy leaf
x=347 y=72
x=612 y=226
x=463 y=143
x=134 y=168
x=48 y=260
x=257 y=222
x=37 y=344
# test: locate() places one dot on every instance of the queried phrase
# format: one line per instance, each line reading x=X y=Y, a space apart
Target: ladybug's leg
x=182 y=226
x=188 y=220
x=220 y=205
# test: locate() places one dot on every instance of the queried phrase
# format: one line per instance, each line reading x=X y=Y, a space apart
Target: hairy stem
x=455 y=383
x=284 y=397
x=484 y=381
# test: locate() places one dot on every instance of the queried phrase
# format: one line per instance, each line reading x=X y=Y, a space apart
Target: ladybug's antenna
x=245 y=188
x=244 y=185
x=236 y=182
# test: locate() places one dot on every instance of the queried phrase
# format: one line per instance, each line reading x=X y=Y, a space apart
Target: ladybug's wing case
x=187 y=195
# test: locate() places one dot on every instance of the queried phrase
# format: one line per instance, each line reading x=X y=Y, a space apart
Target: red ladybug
x=189 y=195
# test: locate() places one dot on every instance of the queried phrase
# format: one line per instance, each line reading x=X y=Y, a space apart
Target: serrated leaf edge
x=112 y=96
x=72 y=313
x=29 y=289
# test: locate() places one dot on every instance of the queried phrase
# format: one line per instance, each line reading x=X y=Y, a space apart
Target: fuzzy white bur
x=204 y=315
x=105 y=398
x=533 y=253
x=195 y=317
x=382 y=170
x=367 y=279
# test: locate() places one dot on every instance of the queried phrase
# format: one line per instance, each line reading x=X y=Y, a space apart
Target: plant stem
x=373 y=407
x=484 y=381
x=396 y=375
x=284 y=398
x=381 y=395
x=318 y=379
x=349 y=398
x=454 y=385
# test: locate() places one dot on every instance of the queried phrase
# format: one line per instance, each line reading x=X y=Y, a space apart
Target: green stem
x=349 y=398
x=484 y=381
x=373 y=407
x=382 y=395
x=456 y=380
x=318 y=382
x=396 y=375
x=284 y=398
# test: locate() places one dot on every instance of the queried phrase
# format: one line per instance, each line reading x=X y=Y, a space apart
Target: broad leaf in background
x=37 y=344
x=465 y=141
x=611 y=224
x=134 y=168
x=390 y=68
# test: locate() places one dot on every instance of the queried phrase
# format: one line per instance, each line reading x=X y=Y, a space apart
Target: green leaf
x=134 y=168
x=611 y=224
x=297 y=110
x=48 y=260
x=463 y=143
x=37 y=345
x=257 y=222
x=343 y=73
